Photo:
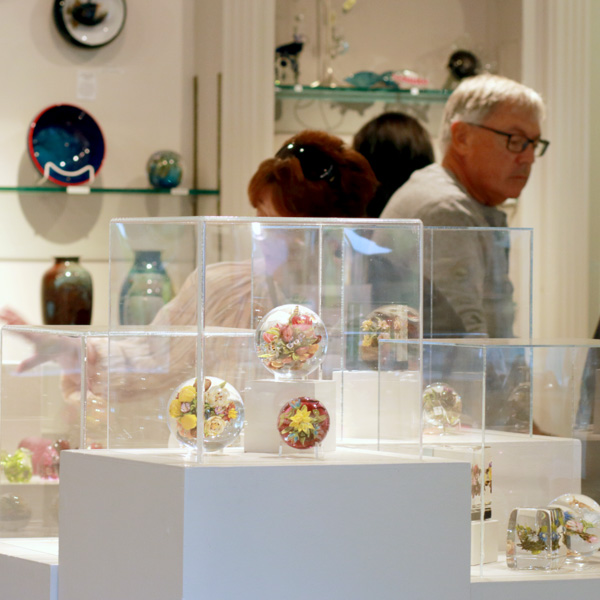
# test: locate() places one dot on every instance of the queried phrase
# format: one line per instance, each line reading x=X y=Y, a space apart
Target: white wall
x=143 y=102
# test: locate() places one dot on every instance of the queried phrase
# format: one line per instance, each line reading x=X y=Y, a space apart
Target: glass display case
x=46 y=406
x=477 y=282
x=522 y=410
x=274 y=308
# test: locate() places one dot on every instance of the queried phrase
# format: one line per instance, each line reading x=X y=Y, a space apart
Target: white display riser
x=29 y=569
x=527 y=470
x=497 y=582
x=140 y=525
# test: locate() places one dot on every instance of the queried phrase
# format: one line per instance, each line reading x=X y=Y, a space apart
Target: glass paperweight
x=535 y=539
x=15 y=513
x=165 y=169
x=223 y=414
x=303 y=423
x=17 y=467
x=395 y=322
x=442 y=408
x=582 y=525
x=481 y=487
x=291 y=341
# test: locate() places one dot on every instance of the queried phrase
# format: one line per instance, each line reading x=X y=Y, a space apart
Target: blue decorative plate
x=90 y=24
x=65 y=144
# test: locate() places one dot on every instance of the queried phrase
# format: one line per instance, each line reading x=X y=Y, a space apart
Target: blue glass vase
x=146 y=289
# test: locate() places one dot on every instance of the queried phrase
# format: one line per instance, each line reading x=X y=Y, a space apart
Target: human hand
x=64 y=350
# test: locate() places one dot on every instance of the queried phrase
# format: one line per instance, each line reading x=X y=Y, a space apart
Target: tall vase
x=146 y=289
x=67 y=293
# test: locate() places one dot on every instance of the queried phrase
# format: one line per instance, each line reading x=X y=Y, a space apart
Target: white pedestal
x=379 y=405
x=527 y=470
x=265 y=398
x=358 y=525
x=491 y=531
x=29 y=569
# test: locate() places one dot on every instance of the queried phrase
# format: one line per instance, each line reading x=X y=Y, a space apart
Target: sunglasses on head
x=316 y=165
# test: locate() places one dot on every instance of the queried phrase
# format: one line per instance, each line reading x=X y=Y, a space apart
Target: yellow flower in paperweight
x=223 y=414
x=301 y=420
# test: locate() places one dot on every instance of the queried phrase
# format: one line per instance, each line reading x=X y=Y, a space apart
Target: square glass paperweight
x=535 y=539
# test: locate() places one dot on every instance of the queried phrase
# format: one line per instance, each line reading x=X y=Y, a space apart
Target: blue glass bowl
x=69 y=138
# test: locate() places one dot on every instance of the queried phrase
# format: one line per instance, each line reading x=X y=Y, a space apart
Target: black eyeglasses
x=517 y=143
x=315 y=164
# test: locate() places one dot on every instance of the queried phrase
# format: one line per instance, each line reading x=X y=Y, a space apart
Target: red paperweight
x=303 y=423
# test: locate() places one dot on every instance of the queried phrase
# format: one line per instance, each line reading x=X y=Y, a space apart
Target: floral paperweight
x=291 y=341
x=395 y=322
x=303 y=423
x=582 y=525
x=223 y=414
x=535 y=539
x=442 y=408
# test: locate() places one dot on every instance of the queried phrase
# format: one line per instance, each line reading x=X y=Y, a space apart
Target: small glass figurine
x=582 y=525
x=535 y=539
x=303 y=423
x=442 y=408
x=223 y=414
x=291 y=341
x=18 y=467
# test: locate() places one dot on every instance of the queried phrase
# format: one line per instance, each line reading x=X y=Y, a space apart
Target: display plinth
x=528 y=470
x=497 y=582
x=29 y=569
x=142 y=525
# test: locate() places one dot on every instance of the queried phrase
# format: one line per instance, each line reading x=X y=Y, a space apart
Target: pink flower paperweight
x=291 y=341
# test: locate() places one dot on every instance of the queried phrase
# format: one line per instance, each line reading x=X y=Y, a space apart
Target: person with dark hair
x=395 y=144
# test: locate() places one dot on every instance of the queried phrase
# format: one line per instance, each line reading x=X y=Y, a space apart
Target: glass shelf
x=353 y=94
x=84 y=190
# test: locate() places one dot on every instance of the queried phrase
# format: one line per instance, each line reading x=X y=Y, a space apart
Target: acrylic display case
x=45 y=407
x=229 y=274
x=477 y=282
x=523 y=413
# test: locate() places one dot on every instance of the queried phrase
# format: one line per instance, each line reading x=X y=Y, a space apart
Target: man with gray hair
x=490 y=138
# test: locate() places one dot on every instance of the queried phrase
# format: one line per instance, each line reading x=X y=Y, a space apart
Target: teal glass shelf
x=84 y=190
x=353 y=94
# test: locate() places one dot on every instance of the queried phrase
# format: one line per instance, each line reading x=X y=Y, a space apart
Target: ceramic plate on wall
x=64 y=142
x=90 y=24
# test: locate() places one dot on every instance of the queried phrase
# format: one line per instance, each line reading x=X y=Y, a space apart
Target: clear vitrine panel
x=53 y=398
x=272 y=315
